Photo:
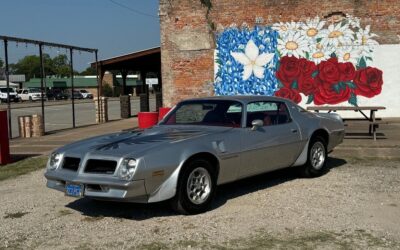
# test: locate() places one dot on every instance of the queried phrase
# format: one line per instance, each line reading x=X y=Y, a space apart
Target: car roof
x=240 y=98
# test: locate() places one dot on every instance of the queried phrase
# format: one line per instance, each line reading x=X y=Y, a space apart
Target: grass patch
x=92 y=219
x=22 y=167
x=15 y=215
x=64 y=212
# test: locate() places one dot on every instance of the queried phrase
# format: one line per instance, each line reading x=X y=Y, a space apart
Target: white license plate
x=75 y=190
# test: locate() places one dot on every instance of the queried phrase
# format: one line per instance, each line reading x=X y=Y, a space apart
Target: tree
x=1 y=63
x=89 y=71
x=30 y=66
x=61 y=66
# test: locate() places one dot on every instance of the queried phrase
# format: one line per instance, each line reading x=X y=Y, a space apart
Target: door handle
x=293 y=130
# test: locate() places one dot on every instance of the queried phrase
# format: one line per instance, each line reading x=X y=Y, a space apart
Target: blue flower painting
x=246 y=61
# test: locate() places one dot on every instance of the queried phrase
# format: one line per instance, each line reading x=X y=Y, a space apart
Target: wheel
x=316 y=160
x=30 y=98
x=196 y=188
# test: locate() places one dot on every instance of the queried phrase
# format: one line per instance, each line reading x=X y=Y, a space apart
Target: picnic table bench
x=371 y=119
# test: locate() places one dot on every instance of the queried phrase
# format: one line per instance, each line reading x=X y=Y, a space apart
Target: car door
x=272 y=146
x=25 y=95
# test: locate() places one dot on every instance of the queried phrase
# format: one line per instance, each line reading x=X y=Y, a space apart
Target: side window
x=25 y=92
x=271 y=113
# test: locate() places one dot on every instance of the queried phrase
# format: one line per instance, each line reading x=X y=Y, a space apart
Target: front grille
x=71 y=163
x=100 y=166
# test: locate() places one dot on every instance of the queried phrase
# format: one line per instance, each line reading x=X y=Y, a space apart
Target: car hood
x=136 y=142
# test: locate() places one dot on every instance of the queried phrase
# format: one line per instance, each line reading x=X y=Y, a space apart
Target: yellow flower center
x=364 y=40
x=319 y=46
x=291 y=45
x=318 y=54
x=283 y=28
x=312 y=32
x=335 y=34
x=346 y=56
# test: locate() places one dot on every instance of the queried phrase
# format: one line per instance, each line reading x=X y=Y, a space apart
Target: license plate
x=75 y=190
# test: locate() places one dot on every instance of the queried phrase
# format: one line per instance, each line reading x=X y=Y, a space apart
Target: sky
x=115 y=27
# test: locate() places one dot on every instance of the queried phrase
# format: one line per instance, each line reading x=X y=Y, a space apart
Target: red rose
x=288 y=70
x=326 y=94
x=368 y=82
x=347 y=71
x=307 y=67
x=329 y=71
x=307 y=84
x=288 y=93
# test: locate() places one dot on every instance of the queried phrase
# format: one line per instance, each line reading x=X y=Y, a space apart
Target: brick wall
x=187 y=39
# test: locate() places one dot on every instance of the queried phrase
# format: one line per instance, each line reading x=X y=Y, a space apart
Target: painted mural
x=325 y=61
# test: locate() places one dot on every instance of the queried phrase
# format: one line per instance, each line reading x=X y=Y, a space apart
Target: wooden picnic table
x=371 y=119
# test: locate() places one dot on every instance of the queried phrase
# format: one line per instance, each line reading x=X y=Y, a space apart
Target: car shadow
x=135 y=211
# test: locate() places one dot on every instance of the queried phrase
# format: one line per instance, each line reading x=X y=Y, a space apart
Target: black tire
x=184 y=204
x=30 y=99
x=315 y=167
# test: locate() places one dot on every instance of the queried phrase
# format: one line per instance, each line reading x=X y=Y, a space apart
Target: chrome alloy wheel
x=317 y=155
x=198 y=185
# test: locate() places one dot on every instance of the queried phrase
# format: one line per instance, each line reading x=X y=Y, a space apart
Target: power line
x=132 y=10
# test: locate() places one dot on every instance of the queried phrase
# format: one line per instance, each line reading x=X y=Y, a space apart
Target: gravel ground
x=356 y=205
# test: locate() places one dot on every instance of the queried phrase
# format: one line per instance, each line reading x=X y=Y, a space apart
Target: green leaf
x=278 y=64
x=319 y=40
x=280 y=85
x=353 y=99
x=307 y=55
x=361 y=63
x=368 y=58
x=310 y=99
x=350 y=84
x=336 y=88
x=342 y=85
x=314 y=74
x=333 y=55
x=294 y=85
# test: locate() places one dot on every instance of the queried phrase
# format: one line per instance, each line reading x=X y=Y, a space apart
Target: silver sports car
x=200 y=144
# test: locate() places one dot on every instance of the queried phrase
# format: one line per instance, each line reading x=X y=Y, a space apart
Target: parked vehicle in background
x=76 y=95
x=31 y=94
x=200 y=144
x=13 y=95
x=86 y=94
x=56 y=94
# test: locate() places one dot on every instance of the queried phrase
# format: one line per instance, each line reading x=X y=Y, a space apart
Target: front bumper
x=99 y=186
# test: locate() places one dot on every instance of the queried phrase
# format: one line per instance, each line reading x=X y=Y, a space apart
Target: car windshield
x=83 y=91
x=206 y=113
x=4 y=90
x=34 y=90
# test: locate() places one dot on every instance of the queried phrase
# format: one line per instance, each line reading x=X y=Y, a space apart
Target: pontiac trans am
x=200 y=144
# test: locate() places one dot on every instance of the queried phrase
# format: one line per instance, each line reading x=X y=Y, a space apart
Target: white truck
x=32 y=94
x=13 y=95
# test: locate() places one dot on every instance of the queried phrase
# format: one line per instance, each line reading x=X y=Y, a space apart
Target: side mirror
x=256 y=124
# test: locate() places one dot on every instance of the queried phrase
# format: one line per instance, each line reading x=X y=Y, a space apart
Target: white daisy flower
x=253 y=62
x=364 y=41
x=312 y=27
x=353 y=21
x=318 y=53
x=336 y=35
x=294 y=44
x=348 y=54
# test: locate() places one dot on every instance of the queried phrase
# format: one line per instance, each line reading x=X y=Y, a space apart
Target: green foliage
x=89 y=71
x=107 y=90
x=310 y=99
x=362 y=63
x=353 y=100
x=295 y=85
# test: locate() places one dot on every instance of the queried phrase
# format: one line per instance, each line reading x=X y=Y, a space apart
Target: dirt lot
x=356 y=205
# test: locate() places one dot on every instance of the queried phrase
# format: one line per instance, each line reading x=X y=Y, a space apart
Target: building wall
x=189 y=36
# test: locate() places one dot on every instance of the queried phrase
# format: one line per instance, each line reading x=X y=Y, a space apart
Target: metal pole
x=98 y=84
x=8 y=90
x=72 y=86
x=41 y=83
